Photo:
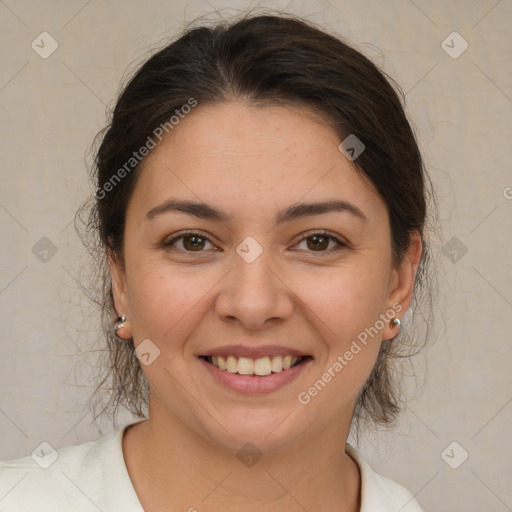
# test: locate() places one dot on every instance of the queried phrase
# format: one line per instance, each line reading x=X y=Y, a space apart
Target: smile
x=260 y=367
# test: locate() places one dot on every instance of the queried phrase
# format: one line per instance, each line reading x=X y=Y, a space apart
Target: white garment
x=92 y=477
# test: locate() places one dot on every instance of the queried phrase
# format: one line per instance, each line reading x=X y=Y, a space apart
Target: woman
x=261 y=204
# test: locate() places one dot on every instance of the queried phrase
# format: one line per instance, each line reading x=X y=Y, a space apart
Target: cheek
x=344 y=300
x=343 y=310
x=344 y=307
x=168 y=304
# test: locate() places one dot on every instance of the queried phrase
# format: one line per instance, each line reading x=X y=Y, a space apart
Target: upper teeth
x=248 y=366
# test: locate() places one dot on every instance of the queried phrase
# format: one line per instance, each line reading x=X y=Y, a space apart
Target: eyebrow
x=300 y=210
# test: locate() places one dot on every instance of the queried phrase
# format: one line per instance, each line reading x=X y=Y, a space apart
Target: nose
x=254 y=294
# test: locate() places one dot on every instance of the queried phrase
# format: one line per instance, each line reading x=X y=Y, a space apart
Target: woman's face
x=248 y=284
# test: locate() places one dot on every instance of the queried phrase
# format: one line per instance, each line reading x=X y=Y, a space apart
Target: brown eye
x=319 y=242
x=191 y=242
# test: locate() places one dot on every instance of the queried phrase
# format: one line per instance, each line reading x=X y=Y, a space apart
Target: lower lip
x=253 y=384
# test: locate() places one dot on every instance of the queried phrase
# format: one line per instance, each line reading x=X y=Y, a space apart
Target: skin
x=251 y=162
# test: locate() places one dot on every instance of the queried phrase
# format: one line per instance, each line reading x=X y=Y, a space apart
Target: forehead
x=238 y=153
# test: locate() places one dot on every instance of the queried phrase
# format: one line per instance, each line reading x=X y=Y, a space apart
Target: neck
x=173 y=468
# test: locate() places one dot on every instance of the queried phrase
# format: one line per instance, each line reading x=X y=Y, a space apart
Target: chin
x=255 y=430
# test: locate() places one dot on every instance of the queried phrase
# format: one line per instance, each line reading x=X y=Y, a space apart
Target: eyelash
x=305 y=236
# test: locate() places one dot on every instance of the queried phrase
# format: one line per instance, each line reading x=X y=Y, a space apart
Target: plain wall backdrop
x=460 y=102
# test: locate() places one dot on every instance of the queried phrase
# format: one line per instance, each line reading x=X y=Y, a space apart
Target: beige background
x=52 y=108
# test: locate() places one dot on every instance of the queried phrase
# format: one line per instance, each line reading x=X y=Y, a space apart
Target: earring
x=119 y=325
x=394 y=322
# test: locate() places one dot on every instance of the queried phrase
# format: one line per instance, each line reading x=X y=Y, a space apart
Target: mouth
x=260 y=367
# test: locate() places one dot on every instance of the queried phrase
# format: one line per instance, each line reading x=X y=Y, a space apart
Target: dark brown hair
x=265 y=60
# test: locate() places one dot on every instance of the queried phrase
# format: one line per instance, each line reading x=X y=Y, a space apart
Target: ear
x=119 y=286
x=401 y=290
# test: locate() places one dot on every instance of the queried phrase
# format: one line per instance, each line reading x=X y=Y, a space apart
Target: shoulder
x=379 y=493
x=71 y=478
